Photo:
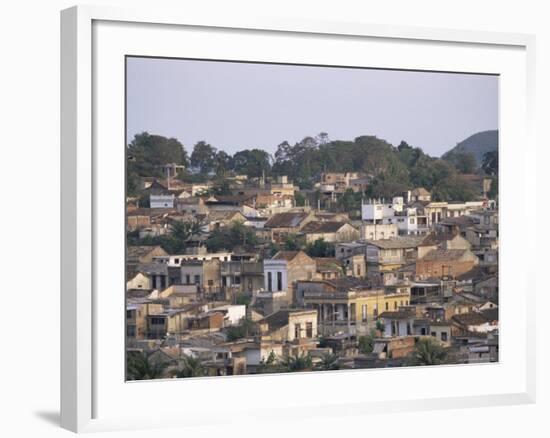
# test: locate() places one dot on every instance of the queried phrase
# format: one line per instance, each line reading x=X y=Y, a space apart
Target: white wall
x=29 y=86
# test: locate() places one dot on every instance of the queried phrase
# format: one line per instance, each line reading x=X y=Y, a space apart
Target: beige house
x=289 y=325
x=329 y=232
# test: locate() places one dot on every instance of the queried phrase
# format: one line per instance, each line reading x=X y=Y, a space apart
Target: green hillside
x=477 y=145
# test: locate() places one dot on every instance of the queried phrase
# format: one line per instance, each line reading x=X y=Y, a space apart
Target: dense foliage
x=390 y=169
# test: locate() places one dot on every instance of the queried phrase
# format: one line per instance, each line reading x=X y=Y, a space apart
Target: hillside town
x=262 y=275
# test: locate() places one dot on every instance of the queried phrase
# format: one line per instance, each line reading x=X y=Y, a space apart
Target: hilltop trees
x=147 y=153
x=391 y=169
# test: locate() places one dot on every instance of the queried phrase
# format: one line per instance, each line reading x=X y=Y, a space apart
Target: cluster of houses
x=408 y=269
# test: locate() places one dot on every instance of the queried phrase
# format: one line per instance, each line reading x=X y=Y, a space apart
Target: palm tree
x=297 y=362
x=190 y=367
x=329 y=361
x=141 y=366
x=428 y=351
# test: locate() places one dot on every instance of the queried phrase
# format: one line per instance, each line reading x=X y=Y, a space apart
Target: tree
x=295 y=362
x=464 y=162
x=190 y=367
x=299 y=199
x=269 y=365
x=428 y=351
x=320 y=248
x=229 y=237
x=246 y=328
x=222 y=163
x=329 y=361
x=147 y=154
x=366 y=343
x=454 y=188
x=490 y=163
x=291 y=243
x=141 y=366
x=252 y=162
x=204 y=157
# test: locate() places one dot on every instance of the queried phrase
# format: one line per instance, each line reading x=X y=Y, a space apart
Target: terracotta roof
x=471 y=318
x=136 y=251
x=322 y=227
x=346 y=283
x=437 y=238
x=444 y=255
x=328 y=264
x=285 y=255
x=286 y=220
x=420 y=191
x=398 y=242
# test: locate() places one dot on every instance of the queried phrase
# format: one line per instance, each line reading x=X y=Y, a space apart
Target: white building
x=234 y=313
x=161 y=201
x=275 y=275
x=379 y=211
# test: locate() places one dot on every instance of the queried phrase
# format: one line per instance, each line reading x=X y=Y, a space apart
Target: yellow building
x=350 y=308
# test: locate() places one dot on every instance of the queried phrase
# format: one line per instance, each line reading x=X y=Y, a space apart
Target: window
x=444 y=336
x=359 y=270
x=297 y=331
x=364 y=312
x=128 y=314
x=395 y=305
x=387 y=305
x=269 y=281
x=434 y=334
x=197 y=279
x=187 y=279
x=411 y=221
x=309 y=329
x=279 y=281
x=157 y=321
x=210 y=283
x=237 y=279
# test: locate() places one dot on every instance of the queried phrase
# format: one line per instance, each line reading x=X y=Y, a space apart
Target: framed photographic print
x=311 y=218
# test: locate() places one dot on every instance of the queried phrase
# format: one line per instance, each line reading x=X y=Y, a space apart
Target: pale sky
x=236 y=106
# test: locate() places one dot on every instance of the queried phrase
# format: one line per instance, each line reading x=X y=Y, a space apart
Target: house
x=137 y=314
x=375 y=211
x=233 y=313
x=445 y=263
x=143 y=253
x=139 y=281
x=436 y=240
x=290 y=325
x=140 y=254
x=329 y=232
x=222 y=218
x=204 y=273
x=376 y=231
x=192 y=205
x=479 y=322
x=419 y=194
x=282 y=224
x=441 y=330
x=398 y=323
x=285 y=268
x=389 y=254
x=337 y=182
x=347 y=304
x=328 y=268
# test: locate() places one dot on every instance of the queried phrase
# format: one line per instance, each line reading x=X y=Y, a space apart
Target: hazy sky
x=236 y=106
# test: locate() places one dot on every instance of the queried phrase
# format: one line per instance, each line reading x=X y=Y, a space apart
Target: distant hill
x=477 y=144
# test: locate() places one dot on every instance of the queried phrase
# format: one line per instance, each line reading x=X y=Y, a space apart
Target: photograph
x=285 y=218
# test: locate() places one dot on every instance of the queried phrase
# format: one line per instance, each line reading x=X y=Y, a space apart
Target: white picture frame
x=85 y=383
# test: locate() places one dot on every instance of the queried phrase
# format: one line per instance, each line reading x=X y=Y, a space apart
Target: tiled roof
x=444 y=255
x=397 y=242
x=285 y=220
x=322 y=227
